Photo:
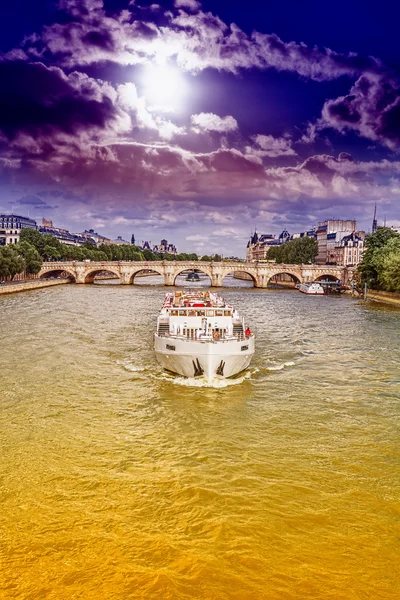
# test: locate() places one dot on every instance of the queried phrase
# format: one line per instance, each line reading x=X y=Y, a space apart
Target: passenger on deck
x=247 y=332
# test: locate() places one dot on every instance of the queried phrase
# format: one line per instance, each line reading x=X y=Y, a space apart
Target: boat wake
x=128 y=366
x=279 y=367
x=201 y=382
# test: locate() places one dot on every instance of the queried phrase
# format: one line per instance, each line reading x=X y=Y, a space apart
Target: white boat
x=311 y=287
x=200 y=335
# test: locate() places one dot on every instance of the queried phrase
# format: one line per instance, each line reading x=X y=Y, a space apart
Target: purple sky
x=195 y=122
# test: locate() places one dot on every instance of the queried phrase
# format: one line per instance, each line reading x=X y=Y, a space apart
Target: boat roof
x=194 y=298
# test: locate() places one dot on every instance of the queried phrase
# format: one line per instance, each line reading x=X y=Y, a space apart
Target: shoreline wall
x=33 y=284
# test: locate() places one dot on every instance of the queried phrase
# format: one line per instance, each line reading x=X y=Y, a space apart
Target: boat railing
x=206 y=338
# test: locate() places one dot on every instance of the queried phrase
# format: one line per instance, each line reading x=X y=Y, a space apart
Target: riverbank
x=34 y=284
x=384 y=297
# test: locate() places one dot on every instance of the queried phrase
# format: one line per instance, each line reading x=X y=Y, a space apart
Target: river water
x=120 y=481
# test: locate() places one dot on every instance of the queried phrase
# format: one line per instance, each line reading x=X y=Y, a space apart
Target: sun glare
x=163 y=87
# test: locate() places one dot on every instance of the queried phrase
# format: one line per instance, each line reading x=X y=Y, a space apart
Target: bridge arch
x=241 y=278
x=57 y=272
x=185 y=269
x=147 y=271
x=327 y=277
x=90 y=274
x=285 y=278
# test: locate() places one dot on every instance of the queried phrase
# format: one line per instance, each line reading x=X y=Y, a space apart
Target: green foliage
x=11 y=262
x=296 y=252
x=212 y=258
x=377 y=261
x=33 y=260
x=50 y=248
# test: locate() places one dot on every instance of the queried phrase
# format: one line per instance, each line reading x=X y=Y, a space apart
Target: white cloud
x=226 y=232
x=211 y=122
x=273 y=147
x=191 y=4
x=196 y=238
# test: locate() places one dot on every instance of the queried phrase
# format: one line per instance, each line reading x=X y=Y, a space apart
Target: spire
x=374 y=221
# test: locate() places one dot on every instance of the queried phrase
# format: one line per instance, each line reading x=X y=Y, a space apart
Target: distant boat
x=311 y=287
x=192 y=277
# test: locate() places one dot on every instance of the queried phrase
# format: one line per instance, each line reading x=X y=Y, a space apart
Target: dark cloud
x=33 y=201
x=372 y=108
x=100 y=38
x=38 y=100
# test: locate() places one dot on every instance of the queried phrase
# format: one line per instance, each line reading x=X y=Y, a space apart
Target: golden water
x=119 y=481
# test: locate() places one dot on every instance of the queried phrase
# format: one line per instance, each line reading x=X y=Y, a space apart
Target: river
x=121 y=481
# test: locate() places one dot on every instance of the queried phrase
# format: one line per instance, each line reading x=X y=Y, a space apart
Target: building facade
x=11 y=226
x=90 y=234
x=258 y=246
x=349 y=250
x=329 y=234
x=163 y=248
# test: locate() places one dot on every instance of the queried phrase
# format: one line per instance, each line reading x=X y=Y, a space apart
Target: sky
x=199 y=121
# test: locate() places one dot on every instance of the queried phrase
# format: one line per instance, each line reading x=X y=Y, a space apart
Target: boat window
x=191 y=313
x=174 y=313
x=210 y=313
x=183 y=313
x=227 y=313
x=200 y=313
x=219 y=313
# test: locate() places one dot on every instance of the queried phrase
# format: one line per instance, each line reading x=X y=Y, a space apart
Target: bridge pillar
x=261 y=281
x=80 y=274
x=216 y=280
x=169 y=279
x=124 y=275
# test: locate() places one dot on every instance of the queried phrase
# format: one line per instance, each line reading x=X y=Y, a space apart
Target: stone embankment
x=33 y=284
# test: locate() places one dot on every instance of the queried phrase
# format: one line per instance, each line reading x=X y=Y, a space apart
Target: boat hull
x=193 y=358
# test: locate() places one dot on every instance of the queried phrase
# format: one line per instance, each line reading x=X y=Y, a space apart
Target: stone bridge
x=260 y=273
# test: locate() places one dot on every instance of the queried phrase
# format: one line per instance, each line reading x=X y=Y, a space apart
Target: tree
x=378 y=244
x=33 y=260
x=389 y=277
x=296 y=252
x=11 y=262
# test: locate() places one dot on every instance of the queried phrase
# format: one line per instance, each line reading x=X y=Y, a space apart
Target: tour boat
x=311 y=287
x=200 y=335
x=192 y=276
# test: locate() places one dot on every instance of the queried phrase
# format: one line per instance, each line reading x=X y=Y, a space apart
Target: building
x=348 y=251
x=10 y=228
x=258 y=245
x=120 y=242
x=329 y=233
x=63 y=235
x=163 y=248
x=90 y=234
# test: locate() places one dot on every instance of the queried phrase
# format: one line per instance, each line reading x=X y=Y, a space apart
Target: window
x=219 y=313
x=169 y=347
x=210 y=313
x=226 y=313
x=174 y=313
x=243 y=348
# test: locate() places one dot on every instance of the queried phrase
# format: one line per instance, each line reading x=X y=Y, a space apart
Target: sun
x=164 y=87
